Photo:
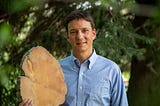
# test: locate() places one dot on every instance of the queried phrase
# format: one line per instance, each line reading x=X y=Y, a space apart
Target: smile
x=81 y=43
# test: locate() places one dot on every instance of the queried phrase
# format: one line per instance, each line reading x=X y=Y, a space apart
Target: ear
x=94 y=33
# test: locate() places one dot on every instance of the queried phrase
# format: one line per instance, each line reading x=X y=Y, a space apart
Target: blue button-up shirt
x=95 y=82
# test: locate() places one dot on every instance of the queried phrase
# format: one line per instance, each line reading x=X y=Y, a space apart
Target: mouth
x=81 y=43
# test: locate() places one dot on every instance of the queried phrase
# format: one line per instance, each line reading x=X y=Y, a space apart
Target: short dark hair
x=78 y=14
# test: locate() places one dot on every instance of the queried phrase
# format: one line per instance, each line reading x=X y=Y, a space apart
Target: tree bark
x=144 y=82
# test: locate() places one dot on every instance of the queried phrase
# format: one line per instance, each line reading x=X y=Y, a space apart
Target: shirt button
x=79 y=102
x=80 y=87
x=81 y=74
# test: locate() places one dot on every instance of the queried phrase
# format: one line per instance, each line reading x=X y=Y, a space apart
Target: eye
x=72 y=32
x=85 y=30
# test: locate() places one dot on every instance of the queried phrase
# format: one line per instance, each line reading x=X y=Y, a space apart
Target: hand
x=26 y=102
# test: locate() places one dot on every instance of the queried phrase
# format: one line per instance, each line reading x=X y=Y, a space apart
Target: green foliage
x=8 y=73
x=5 y=34
x=9 y=84
x=20 y=5
x=117 y=40
x=24 y=24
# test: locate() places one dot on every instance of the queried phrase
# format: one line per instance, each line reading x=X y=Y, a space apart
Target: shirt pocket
x=101 y=88
x=99 y=94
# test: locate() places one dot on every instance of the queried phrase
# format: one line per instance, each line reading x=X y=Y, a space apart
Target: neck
x=82 y=56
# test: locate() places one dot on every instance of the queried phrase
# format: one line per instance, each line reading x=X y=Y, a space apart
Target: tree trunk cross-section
x=44 y=80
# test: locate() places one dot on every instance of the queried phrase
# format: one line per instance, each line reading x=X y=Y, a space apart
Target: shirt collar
x=91 y=59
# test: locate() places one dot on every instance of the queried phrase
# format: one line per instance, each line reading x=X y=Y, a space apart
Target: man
x=91 y=79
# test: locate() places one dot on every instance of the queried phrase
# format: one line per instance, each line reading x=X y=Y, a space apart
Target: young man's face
x=81 y=35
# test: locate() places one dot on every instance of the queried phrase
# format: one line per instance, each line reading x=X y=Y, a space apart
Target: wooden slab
x=44 y=80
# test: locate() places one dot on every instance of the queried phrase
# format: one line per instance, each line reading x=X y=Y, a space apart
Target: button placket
x=80 y=86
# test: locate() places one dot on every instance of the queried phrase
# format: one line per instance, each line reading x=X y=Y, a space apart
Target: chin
x=81 y=50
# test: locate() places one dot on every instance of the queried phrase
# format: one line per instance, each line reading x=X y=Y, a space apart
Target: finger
x=27 y=102
x=23 y=102
x=30 y=103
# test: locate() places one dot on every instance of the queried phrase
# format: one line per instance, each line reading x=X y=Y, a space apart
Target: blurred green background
x=128 y=32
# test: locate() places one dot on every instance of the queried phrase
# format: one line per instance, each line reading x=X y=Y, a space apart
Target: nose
x=80 y=35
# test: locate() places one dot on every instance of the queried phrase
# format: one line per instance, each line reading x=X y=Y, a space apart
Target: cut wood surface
x=44 y=80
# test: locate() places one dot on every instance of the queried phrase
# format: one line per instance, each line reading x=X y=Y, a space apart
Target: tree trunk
x=144 y=84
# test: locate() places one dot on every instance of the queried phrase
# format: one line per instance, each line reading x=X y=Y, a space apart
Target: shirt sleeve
x=118 y=93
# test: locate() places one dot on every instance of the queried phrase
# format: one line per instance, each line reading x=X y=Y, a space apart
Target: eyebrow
x=81 y=28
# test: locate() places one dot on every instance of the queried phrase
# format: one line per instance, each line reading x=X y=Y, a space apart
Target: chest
x=88 y=82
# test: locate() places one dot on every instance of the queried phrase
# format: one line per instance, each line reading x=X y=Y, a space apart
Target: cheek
x=91 y=38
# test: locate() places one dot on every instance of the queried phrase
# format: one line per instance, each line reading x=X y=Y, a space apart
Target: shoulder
x=106 y=61
x=65 y=60
x=112 y=68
